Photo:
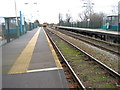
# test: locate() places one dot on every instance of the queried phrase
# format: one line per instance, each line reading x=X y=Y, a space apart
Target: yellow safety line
x=59 y=66
x=22 y=62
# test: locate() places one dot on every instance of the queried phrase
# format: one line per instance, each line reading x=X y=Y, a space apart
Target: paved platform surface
x=30 y=62
x=93 y=30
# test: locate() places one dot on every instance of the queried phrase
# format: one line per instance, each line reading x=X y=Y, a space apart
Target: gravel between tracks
x=107 y=58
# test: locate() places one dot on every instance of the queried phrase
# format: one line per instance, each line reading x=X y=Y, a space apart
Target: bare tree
x=83 y=16
x=96 y=20
x=68 y=17
x=37 y=22
x=88 y=18
x=114 y=9
x=60 y=17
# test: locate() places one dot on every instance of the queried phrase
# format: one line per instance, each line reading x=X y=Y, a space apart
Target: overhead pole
x=35 y=3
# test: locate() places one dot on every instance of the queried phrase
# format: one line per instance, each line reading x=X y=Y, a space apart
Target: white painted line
x=46 y=69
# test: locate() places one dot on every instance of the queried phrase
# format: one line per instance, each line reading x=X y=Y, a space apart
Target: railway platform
x=105 y=35
x=99 y=31
x=31 y=62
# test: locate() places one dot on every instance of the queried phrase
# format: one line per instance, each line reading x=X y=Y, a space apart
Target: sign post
x=119 y=16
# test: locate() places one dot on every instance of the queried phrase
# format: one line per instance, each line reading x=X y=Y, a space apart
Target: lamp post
x=88 y=20
x=119 y=16
x=17 y=26
x=31 y=8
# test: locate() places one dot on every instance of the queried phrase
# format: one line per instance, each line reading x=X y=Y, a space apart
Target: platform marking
x=58 y=64
x=23 y=60
x=45 y=69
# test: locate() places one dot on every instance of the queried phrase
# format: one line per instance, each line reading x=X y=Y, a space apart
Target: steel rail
x=69 y=67
x=77 y=36
x=110 y=70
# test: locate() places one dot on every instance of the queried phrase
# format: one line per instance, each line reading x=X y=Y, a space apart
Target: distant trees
x=94 y=20
x=68 y=17
x=65 y=22
x=90 y=19
x=37 y=22
x=87 y=19
x=60 y=19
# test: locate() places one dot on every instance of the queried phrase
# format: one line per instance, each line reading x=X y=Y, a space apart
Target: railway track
x=110 y=47
x=85 y=70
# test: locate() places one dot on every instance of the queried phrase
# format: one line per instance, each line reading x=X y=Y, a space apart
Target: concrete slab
x=42 y=59
x=42 y=56
x=44 y=79
x=114 y=33
x=11 y=51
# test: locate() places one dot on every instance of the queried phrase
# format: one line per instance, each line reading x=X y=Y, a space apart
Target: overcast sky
x=48 y=10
